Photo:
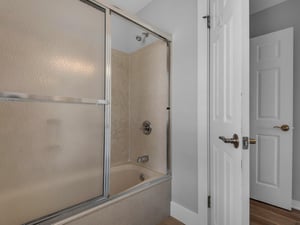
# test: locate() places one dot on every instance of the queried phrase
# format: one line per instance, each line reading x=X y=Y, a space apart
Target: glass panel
x=52 y=48
x=139 y=93
x=51 y=158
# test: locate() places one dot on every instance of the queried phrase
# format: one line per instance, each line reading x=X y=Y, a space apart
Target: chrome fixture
x=146 y=127
x=247 y=141
x=142 y=38
x=143 y=159
x=142 y=177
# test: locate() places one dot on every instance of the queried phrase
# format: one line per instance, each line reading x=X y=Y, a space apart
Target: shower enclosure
x=84 y=107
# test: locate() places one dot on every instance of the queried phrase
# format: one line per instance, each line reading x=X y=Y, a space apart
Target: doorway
x=274 y=160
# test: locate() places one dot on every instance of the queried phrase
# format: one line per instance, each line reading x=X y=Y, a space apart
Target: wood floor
x=263 y=214
x=171 y=221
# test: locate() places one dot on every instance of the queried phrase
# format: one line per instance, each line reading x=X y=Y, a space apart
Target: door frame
x=203 y=113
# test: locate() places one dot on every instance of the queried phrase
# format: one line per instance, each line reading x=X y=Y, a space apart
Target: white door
x=271 y=107
x=229 y=111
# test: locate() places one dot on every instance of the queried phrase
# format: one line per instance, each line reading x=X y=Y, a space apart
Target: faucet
x=143 y=159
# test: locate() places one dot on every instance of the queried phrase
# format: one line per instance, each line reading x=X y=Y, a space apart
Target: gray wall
x=273 y=19
x=180 y=19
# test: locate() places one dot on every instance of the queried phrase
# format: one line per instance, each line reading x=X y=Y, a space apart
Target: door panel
x=226 y=88
x=51 y=158
x=272 y=105
x=267 y=173
x=52 y=148
x=52 y=48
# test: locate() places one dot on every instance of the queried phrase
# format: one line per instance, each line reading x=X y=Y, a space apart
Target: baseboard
x=296 y=204
x=184 y=215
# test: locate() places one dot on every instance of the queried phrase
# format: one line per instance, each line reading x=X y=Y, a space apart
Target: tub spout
x=143 y=159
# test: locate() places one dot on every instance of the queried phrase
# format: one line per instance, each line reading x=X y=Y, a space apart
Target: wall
x=148 y=101
x=180 y=19
x=120 y=108
x=277 y=18
x=259 y=5
x=140 y=93
x=124 y=35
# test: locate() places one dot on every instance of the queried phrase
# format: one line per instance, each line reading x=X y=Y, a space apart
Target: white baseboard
x=296 y=204
x=184 y=215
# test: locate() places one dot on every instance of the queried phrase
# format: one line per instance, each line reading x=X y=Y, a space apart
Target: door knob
x=234 y=140
x=284 y=127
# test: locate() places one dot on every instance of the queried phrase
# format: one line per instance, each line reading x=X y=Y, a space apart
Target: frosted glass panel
x=52 y=47
x=51 y=158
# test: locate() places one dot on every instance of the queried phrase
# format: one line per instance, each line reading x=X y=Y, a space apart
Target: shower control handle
x=146 y=127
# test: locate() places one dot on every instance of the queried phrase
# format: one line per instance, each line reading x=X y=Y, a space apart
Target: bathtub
x=126 y=176
x=148 y=199
x=126 y=181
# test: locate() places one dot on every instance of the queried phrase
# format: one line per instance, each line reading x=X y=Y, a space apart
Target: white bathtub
x=127 y=176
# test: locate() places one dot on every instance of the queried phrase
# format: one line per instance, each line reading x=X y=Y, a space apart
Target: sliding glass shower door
x=52 y=106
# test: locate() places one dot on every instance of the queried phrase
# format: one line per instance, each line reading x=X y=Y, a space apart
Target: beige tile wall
x=139 y=93
x=120 y=108
x=148 y=101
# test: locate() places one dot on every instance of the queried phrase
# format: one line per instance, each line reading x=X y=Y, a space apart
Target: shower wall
x=120 y=108
x=148 y=101
x=139 y=93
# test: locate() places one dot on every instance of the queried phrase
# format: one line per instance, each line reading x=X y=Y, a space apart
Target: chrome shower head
x=142 y=37
x=138 y=38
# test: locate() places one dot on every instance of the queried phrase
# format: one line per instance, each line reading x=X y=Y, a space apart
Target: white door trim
x=203 y=112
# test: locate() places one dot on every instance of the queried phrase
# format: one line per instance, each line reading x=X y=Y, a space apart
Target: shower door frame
x=7 y=96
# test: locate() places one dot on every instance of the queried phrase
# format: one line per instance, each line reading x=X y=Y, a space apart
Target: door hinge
x=209 y=201
x=208 y=20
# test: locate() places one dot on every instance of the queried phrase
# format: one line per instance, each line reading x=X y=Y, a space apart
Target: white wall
x=259 y=5
x=124 y=32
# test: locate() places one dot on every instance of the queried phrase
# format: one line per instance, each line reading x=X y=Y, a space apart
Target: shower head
x=138 y=38
x=142 y=37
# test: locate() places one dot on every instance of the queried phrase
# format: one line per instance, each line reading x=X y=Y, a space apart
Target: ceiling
x=259 y=5
x=132 y=6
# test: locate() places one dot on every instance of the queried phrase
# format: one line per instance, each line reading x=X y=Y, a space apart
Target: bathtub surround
x=149 y=101
x=140 y=93
x=53 y=132
x=120 y=141
x=146 y=207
